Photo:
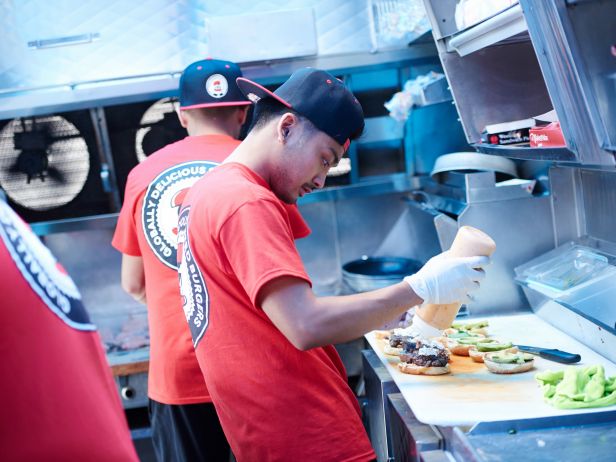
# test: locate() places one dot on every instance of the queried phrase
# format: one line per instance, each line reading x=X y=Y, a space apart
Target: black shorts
x=188 y=432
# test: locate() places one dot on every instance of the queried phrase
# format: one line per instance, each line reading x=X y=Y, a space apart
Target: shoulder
x=225 y=191
x=140 y=177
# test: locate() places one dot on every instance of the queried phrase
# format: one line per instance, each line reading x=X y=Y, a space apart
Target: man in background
x=212 y=109
x=60 y=400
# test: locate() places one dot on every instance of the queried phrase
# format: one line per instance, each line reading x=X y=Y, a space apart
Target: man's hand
x=445 y=279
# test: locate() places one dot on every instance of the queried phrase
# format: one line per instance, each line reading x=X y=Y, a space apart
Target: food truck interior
x=107 y=97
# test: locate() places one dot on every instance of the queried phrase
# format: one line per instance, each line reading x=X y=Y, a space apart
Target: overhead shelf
x=528 y=153
x=504 y=25
x=84 y=95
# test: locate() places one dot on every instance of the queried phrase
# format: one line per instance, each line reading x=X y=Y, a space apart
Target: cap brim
x=226 y=103
x=255 y=92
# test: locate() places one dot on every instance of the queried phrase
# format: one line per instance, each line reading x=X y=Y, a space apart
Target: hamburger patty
x=397 y=341
x=424 y=353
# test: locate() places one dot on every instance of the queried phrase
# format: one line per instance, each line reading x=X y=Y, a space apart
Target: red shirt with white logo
x=60 y=401
x=147 y=227
x=275 y=402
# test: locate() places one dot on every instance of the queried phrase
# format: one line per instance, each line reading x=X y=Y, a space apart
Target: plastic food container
x=563 y=268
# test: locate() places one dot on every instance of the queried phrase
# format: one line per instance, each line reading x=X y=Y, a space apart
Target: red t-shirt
x=275 y=402
x=60 y=401
x=147 y=227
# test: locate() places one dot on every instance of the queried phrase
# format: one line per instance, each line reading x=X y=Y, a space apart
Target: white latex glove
x=445 y=279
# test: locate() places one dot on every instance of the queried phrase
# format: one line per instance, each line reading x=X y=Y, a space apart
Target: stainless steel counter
x=550 y=434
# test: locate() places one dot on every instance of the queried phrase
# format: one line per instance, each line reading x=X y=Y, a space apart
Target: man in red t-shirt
x=60 y=401
x=213 y=110
x=263 y=339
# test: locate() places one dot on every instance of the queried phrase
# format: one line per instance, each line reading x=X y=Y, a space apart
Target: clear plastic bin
x=563 y=268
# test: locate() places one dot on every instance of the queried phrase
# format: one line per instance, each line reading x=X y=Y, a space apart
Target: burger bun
x=408 y=368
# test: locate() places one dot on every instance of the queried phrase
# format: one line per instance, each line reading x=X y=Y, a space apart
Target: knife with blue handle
x=552 y=354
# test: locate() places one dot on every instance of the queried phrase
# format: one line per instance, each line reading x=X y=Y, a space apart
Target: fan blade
x=55 y=174
x=14 y=168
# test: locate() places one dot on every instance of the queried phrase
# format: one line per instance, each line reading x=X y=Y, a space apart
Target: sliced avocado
x=472 y=340
x=492 y=346
x=459 y=334
x=470 y=326
x=510 y=358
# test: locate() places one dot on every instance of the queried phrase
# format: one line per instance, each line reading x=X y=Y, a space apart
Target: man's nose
x=319 y=181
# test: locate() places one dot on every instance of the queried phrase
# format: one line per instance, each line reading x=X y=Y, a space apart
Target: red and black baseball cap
x=318 y=96
x=211 y=83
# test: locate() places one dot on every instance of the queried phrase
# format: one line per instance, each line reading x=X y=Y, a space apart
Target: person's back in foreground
x=61 y=402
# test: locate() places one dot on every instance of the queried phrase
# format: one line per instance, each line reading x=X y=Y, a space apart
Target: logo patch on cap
x=161 y=205
x=216 y=86
x=254 y=98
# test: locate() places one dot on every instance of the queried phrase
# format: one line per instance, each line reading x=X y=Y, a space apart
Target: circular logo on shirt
x=216 y=85
x=42 y=272
x=195 y=298
x=161 y=205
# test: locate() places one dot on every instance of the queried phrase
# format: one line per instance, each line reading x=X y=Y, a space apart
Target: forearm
x=139 y=296
x=133 y=277
x=339 y=319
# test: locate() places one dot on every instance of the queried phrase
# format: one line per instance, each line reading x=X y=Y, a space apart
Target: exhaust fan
x=44 y=162
x=159 y=126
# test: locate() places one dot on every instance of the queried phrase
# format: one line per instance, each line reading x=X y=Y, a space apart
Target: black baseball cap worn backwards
x=211 y=83
x=318 y=96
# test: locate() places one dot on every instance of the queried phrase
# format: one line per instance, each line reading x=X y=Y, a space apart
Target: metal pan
x=473 y=162
x=370 y=273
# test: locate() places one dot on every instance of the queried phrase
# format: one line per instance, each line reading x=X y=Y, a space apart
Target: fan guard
x=67 y=156
x=159 y=123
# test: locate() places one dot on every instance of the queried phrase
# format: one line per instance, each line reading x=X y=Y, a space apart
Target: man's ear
x=242 y=113
x=182 y=117
x=285 y=124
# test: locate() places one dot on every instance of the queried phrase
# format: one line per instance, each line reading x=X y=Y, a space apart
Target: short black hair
x=214 y=112
x=268 y=108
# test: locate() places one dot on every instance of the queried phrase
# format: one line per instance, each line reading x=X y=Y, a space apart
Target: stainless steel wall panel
x=566 y=204
x=95 y=267
x=344 y=230
x=564 y=68
x=319 y=251
x=599 y=195
x=496 y=84
x=134 y=38
x=115 y=39
x=377 y=411
x=363 y=223
x=522 y=229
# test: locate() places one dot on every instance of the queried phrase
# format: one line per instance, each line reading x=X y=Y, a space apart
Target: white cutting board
x=472 y=394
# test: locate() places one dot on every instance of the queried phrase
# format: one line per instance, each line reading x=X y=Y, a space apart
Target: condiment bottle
x=430 y=320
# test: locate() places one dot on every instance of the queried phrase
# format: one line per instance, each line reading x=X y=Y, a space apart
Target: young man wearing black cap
x=213 y=110
x=263 y=339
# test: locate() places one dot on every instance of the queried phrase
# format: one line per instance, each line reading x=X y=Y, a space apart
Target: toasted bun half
x=392 y=351
x=476 y=355
x=408 y=368
x=459 y=349
x=508 y=368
